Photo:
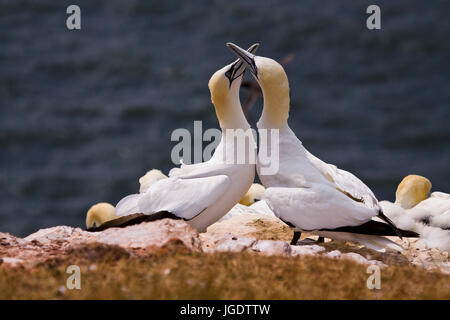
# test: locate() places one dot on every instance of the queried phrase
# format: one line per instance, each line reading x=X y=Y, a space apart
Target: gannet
x=307 y=193
x=202 y=193
x=255 y=193
x=100 y=213
x=412 y=205
x=254 y=200
x=251 y=203
x=150 y=178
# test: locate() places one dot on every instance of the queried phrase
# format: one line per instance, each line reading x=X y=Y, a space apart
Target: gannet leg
x=295 y=237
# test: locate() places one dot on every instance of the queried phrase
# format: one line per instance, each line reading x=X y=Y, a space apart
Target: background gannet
x=149 y=178
x=251 y=203
x=99 y=213
x=202 y=193
x=411 y=199
x=103 y=212
x=255 y=193
x=307 y=193
x=414 y=210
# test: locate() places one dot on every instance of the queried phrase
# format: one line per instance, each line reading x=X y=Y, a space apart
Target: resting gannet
x=150 y=178
x=251 y=203
x=307 y=193
x=202 y=193
x=412 y=205
x=100 y=213
x=255 y=193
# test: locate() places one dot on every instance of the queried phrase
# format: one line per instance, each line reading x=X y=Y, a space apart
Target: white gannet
x=254 y=200
x=307 y=193
x=413 y=209
x=251 y=203
x=150 y=178
x=255 y=193
x=202 y=193
x=100 y=213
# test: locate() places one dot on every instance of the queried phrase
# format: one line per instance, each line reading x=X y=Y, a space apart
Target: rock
x=234 y=244
x=141 y=240
x=12 y=261
x=334 y=254
x=418 y=254
x=270 y=247
x=306 y=250
x=360 y=259
x=152 y=235
x=257 y=226
x=251 y=233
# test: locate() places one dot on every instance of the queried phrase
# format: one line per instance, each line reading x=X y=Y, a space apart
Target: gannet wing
x=184 y=169
x=345 y=182
x=183 y=196
x=318 y=207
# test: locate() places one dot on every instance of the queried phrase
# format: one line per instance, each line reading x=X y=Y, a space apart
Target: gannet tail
x=376 y=243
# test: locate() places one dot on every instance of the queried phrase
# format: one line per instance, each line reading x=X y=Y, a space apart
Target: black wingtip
x=383 y=217
x=133 y=219
x=119 y=222
x=376 y=228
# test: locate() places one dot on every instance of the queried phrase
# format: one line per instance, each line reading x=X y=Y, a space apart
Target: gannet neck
x=412 y=190
x=230 y=116
x=275 y=88
x=226 y=102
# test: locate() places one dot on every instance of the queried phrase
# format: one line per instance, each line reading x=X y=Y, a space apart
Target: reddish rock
x=142 y=239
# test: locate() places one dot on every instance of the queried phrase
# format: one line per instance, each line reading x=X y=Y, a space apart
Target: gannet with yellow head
x=307 y=193
x=100 y=213
x=412 y=190
x=202 y=193
x=414 y=210
x=255 y=193
x=414 y=204
x=103 y=212
x=150 y=178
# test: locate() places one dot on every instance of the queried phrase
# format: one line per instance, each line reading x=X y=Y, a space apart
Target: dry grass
x=110 y=273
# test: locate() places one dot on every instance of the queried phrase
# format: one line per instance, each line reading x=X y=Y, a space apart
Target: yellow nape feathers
x=219 y=88
x=412 y=190
x=149 y=178
x=255 y=193
x=100 y=213
x=275 y=86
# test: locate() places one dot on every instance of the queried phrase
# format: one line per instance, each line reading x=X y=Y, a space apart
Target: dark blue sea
x=85 y=113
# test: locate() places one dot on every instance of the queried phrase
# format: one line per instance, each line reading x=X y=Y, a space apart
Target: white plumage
x=306 y=192
x=202 y=193
x=413 y=210
x=312 y=194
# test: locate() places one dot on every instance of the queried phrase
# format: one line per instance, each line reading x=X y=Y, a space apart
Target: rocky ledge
x=253 y=233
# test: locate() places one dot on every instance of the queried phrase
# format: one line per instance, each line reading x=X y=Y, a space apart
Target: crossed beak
x=238 y=67
x=247 y=57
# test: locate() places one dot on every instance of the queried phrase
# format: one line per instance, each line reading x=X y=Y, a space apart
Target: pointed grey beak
x=238 y=67
x=245 y=56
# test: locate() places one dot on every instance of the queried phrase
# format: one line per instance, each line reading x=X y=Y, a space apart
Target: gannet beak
x=247 y=57
x=238 y=67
